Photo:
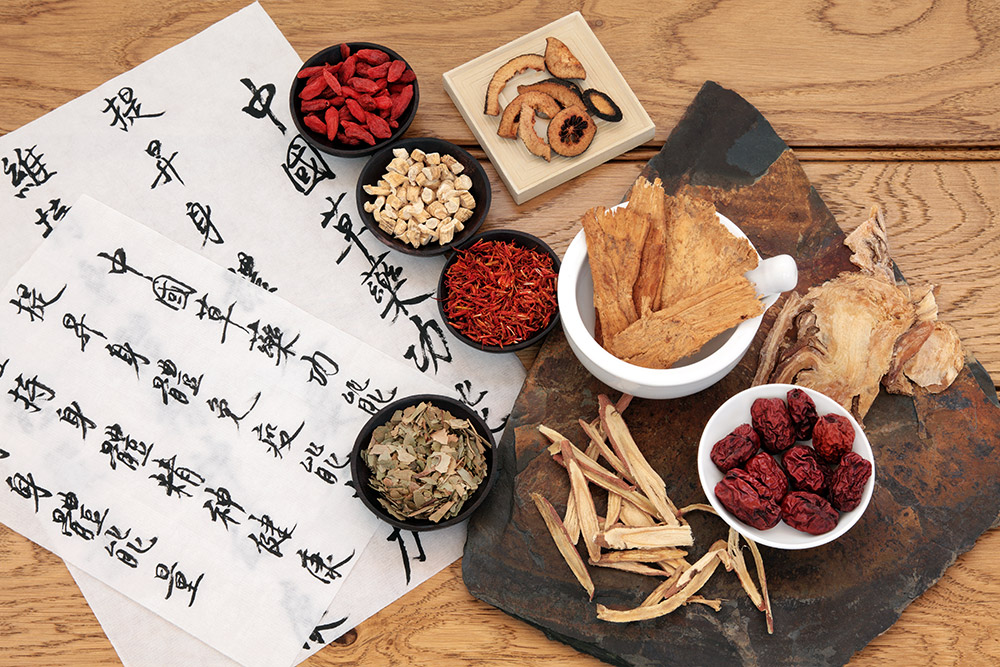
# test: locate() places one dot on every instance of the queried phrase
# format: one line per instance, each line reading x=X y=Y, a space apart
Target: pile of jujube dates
x=810 y=486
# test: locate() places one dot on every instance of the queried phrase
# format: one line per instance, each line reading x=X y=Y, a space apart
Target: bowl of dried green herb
x=424 y=462
x=497 y=292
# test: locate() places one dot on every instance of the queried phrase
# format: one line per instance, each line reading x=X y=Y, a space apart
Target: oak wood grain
x=895 y=103
x=824 y=72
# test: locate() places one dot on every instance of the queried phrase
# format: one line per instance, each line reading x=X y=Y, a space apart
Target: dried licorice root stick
x=561 y=538
x=686 y=585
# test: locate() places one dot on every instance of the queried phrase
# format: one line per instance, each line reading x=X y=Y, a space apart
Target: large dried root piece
x=860 y=329
x=563 y=543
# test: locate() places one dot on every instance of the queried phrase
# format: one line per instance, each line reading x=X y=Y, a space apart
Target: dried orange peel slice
x=505 y=73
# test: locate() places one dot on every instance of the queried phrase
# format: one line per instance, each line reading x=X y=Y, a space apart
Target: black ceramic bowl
x=361 y=473
x=524 y=240
x=376 y=168
x=331 y=56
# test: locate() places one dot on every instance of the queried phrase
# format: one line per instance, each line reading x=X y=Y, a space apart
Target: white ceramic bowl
x=736 y=411
x=688 y=376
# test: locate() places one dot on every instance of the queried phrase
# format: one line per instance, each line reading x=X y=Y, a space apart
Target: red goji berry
x=362 y=85
x=345 y=51
x=313 y=88
x=377 y=72
x=347 y=91
x=347 y=69
x=361 y=68
x=381 y=84
x=373 y=56
x=395 y=70
x=367 y=102
x=355 y=131
x=355 y=109
x=332 y=119
x=378 y=127
x=401 y=102
x=313 y=122
x=393 y=123
x=337 y=101
x=383 y=102
x=407 y=76
x=307 y=72
x=331 y=80
x=315 y=105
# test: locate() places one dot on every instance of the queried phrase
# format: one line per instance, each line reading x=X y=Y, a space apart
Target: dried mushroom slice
x=566 y=93
x=540 y=103
x=508 y=71
x=571 y=131
x=560 y=60
x=601 y=105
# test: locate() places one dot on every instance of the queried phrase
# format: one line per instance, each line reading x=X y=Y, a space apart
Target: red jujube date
x=768 y=472
x=772 y=422
x=808 y=512
x=802 y=410
x=736 y=448
x=833 y=436
x=806 y=470
x=849 y=480
x=748 y=499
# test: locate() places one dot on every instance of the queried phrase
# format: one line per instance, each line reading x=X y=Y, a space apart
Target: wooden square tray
x=524 y=174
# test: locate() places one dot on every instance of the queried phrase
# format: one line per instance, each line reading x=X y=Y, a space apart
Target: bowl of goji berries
x=497 y=292
x=351 y=99
x=786 y=466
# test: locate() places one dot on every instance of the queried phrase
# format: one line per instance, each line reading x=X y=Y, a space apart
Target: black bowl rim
x=502 y=235
x=483 y=203
x=360 y=472
x=324 y=145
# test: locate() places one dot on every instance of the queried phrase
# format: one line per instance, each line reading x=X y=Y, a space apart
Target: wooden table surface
x=890 y=102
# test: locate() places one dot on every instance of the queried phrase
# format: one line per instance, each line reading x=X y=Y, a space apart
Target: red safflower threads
x=499 y=293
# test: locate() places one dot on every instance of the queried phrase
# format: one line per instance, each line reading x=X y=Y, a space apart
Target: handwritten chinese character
x=133 y=548
x=56 y=210
x=175 y=479
x=220 y=407
x=73 y=415
x=164 y=165
x=270 y=537
x=26 y=168
x=201 y=216
x=25 y=486
x=178 y=580
x=269 y=340
x=215 y=314
x=126 y=109
x=82 y=331
x=125 y=352
x=32 y=302
x=397 y=536
x=321 y=367
x=371 y=402
x=76 y=519
x=266 y=433
x=221 y=506
x=123 y=448
x=322 y=567
x=259 y=105
x=304 y=166
x=29 y=391
x=248 y=271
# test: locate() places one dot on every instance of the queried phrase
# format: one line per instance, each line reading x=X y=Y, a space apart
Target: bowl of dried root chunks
x=423 y=196
x=642 y=531
x=660 y=297
x=424 y=462
x=786 y=466
x=351 y=99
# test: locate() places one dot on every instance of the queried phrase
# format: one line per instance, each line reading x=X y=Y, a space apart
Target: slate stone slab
x=938 y=472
